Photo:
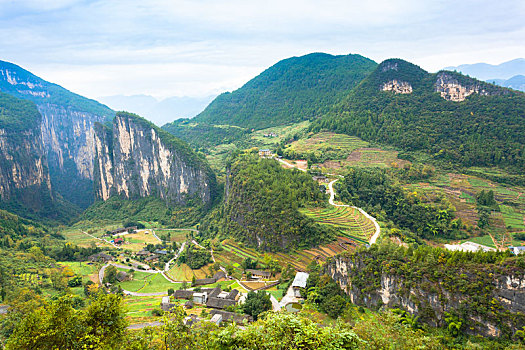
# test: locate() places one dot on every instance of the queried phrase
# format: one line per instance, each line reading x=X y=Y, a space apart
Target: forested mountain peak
x=294 y=89
x=454 y=117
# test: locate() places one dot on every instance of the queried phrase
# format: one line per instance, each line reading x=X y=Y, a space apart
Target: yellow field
x=138 y=241
x=185 y=273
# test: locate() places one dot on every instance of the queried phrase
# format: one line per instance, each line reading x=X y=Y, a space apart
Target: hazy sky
x=201 y=47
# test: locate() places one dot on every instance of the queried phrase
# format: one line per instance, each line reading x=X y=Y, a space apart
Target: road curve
x=375 y=236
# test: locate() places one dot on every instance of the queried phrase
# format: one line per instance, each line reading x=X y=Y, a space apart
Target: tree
x=75 y=281
x=110 y=274
x=256 y=303
x=333 y=306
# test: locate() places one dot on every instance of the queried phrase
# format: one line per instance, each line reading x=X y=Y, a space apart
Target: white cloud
x=199 y=47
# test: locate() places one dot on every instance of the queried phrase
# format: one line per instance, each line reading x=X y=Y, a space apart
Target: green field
x=144 y=282
x=183 y=272
x=283 y=132
x=327 y=141
x=139 y=308
x=349 y=221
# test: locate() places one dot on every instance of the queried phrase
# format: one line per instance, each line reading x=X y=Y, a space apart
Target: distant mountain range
x=159 y=112
x=509 y=74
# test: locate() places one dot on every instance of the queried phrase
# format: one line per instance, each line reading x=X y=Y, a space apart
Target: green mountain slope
x=294 y=89
x=457 y=119
x=261 y=207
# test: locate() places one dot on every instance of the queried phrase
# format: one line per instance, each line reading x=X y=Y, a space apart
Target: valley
x=328 y=191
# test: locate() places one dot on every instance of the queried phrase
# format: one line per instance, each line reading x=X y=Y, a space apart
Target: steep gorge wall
x=66 y=130
x=137 y=159
x=492 y=300
x=25 y=184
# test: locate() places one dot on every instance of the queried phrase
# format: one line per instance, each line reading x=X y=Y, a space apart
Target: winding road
x=375 y=236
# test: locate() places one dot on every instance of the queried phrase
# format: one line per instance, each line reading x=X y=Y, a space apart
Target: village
x=150 y=270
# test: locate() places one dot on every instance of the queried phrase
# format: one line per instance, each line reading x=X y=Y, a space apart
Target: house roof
x=233 y=294
x=142 y=252
x=162 y=252
x=183 y=294
x=227 y=315
x=214 y=292
x=203 y=281
x=218 y=275
x=153 y=257
x=100 y=256
x=219 y=303
x=300 y=280
x=258 y=272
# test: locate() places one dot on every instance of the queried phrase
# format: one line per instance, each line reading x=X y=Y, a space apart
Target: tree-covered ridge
x=463 y=291
x=21 y=83
x=17 y=115
x=482 y=130
x=378 y=192
x=261 y=206
x=292 y=90
x=13 y=228
x=202 y=134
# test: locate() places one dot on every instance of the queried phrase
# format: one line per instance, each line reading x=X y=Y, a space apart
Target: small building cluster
x=100 y=257
x=265 y=153
x=123 y=230
x=204 y=281
x=320 y=178
x=270 y=134
x=214 y=298
x=517 y=250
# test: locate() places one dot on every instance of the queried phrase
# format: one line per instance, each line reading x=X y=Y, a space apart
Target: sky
x=199 y=48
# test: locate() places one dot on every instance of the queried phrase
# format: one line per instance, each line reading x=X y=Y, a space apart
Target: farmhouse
x=235 y=317
x=100 y=257
x=319 y=178
x=142 y=252
x=118 y=240
x=258 y=274
x=152 y=258
x=299 y=282
x=183 y=294
x=200 y=298
x=165 y=304
x=265 y=153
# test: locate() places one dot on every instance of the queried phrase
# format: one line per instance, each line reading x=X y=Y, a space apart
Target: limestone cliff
x=66 y=130
x=137 y=159
x=25 y=186
x=490 y=297
x=450 y=88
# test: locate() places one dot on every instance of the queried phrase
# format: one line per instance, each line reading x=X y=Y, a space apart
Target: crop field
x=328 y=141
x=88 y=271
x=349 y=221
x=185 y=273
x=282 y=132
x=234 y=253
x=144 y=282
x=178 y=236
x=139 y=308
x=137 y=241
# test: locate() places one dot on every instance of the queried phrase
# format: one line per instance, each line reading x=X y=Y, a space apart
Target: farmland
x=349 y=221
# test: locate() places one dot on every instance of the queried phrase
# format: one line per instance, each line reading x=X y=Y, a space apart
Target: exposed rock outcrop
x=452 y=90
x=66 y=130
x=398 y=87
x=374 y=284
x=24 y=176
x=137 y=159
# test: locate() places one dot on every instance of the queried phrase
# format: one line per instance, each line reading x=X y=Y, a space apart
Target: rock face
x=430 y=298
x=137 y=159
x=24 y=176
x=66 y=130
x=399 y=87
x=452 y=90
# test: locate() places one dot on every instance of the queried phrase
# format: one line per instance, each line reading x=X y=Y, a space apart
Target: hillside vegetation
x=261 y=206
x=482 y=130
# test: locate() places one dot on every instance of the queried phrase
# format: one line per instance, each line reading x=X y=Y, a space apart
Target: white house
x=299 y=282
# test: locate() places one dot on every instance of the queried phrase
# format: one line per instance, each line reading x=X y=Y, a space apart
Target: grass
x=484 y=240
x=514 y=220
x=178 y=236
x=88 y=272
x=283 y=132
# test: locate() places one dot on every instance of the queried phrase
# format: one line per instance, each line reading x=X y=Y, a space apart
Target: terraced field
x=349 y=221
x=234 y=253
